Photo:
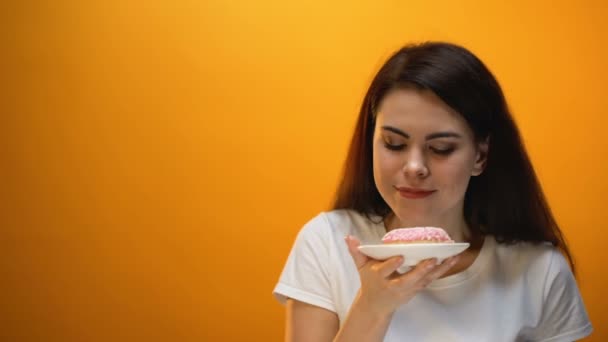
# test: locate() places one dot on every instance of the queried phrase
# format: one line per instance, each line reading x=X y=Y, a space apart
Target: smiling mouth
x=414 y=193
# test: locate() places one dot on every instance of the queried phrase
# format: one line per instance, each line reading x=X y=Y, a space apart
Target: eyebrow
x=428 y=137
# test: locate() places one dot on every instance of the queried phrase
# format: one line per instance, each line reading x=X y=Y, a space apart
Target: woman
x=435 y=145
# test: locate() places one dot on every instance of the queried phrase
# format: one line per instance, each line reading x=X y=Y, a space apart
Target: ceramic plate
x=413 y=253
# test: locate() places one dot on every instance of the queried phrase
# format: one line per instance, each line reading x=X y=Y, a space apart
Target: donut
x=416 y=235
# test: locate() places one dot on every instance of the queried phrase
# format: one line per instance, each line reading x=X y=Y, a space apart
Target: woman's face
x=424 y=155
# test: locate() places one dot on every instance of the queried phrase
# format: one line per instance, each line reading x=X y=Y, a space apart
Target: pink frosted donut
x=417 y=235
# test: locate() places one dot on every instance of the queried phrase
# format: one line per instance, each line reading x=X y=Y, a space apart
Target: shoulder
x=336 y=224
x=541 y=277
x=526 y=251
x=534 y=259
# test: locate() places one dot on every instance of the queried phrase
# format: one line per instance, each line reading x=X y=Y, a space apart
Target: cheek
x=384 y=168
x=385 y=163
x=456 y=175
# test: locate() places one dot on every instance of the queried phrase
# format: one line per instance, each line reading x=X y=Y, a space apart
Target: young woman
x=435 y=145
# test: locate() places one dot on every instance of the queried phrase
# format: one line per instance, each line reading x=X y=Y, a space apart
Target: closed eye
x=442 y=151
x=394 y=147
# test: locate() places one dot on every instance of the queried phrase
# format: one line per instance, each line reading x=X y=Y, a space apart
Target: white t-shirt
x=520 y=292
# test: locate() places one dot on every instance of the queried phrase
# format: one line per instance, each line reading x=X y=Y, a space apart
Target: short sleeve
x=563 y=317
x=306 y=275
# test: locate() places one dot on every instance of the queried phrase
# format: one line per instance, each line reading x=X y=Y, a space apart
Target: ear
x=481 y=157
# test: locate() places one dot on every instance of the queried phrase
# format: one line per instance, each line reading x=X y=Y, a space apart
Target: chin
x=416 y=219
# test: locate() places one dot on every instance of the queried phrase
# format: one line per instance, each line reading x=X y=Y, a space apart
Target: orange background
x=160 y=156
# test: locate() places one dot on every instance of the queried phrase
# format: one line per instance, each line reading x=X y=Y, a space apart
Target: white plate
x=414 y=253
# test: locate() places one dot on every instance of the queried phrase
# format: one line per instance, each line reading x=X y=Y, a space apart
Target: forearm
x=362 y=324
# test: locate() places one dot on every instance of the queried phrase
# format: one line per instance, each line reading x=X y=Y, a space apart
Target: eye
x=394 y=147
x=443 y=151
x=393 y=144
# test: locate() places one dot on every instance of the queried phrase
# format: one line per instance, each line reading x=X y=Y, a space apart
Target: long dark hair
x=506 y=200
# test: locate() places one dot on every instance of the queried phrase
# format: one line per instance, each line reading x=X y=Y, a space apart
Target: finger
x=389 y=266
x=359 y=258
x=417 y=273
x=444 y=267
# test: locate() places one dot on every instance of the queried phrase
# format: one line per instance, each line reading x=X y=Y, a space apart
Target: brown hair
x=506 y=200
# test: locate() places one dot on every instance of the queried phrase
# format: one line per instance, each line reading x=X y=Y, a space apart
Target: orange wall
x=160 y=156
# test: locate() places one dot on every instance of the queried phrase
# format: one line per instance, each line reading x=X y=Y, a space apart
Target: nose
x=415 y=165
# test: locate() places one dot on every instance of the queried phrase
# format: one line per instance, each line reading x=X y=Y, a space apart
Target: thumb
x=359 y=258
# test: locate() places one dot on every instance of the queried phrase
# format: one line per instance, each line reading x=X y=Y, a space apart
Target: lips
x=414 y=193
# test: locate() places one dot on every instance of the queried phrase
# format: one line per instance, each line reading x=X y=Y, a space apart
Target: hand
x=382 y=289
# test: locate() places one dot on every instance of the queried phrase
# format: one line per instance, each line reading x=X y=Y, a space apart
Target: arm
x=307 y=322
x=382 y=292
x=364 y=325
x=311 y=312
x=371 y=312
